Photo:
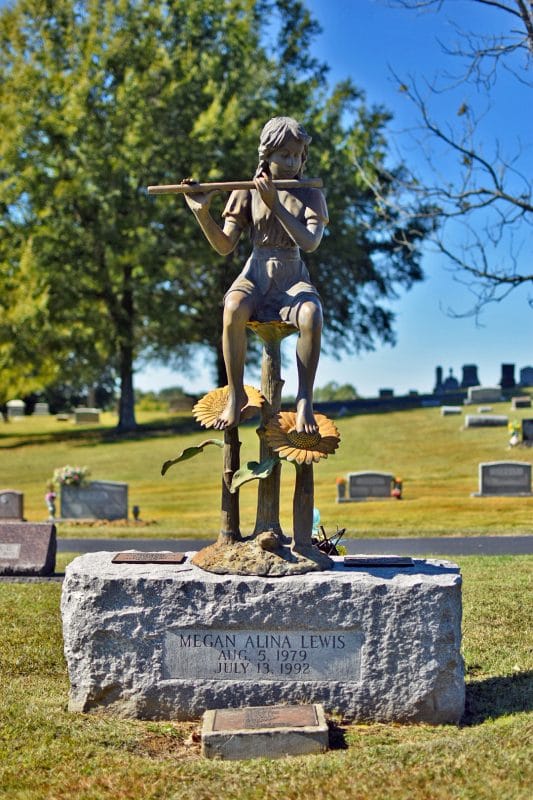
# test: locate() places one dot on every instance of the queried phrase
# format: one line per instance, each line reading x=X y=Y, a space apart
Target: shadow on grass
x=337 y=736
x=496 y=697
x=89 y=437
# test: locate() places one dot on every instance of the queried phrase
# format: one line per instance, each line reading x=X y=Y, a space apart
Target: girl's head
x=280 y=133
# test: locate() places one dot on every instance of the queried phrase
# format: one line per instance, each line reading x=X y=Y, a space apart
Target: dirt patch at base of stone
x=249 y=558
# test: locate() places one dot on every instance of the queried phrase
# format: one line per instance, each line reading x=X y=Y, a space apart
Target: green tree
x=100 y=98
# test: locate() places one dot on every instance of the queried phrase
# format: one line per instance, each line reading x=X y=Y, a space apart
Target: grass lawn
x=437 y=460
x=46 y=752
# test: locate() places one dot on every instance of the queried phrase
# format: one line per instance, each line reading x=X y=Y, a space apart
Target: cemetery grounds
x=45 y=752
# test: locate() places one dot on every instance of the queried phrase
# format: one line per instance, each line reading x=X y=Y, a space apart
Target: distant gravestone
x=483 y=394
x=27 y=548
x=41 y=410
x=448 y=411
x=504 y=478
x=484 y=410
x=83 y=415
x=97 y=500
x=527 y=432
x=520 y=402
x=16 y=409
x=363 y=485
x=11 y=504
x=486 y=421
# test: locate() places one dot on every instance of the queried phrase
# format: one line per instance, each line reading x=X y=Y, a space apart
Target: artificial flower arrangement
x=70 y=476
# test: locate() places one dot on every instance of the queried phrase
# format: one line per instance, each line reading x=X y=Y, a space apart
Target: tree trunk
x=126 y=414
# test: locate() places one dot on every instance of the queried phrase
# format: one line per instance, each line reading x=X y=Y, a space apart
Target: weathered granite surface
x=170 y=641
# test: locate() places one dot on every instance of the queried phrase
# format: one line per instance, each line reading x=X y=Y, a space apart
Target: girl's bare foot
x=305 y=420
x=231 y=415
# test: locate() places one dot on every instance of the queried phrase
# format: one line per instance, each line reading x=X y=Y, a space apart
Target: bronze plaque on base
x=258 y=717
x=378 y=561
x=149 y=558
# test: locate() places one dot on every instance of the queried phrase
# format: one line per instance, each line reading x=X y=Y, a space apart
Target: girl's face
x=286 y=162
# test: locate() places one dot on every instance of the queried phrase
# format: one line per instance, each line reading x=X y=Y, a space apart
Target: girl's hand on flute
x=267 y=190
x=199 y=202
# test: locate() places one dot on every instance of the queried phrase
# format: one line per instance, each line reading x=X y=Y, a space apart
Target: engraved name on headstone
x=263 y=655
x=11 y=504
x=505 y=477
x=9 y=551
x=98 y=500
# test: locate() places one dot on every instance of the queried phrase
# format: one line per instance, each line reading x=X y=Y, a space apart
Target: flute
x=229 y=186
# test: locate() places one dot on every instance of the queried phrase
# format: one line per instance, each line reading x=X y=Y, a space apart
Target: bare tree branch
x=478 y=197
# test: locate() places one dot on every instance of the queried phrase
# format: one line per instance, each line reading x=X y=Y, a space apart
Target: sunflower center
x=306 y=441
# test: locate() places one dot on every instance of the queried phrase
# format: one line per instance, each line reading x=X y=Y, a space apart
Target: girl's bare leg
x=237 y=312
x=309 y=321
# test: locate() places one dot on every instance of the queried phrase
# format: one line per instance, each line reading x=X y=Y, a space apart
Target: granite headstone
x=27 y=548
x=11 y=504
x=364 y=485
x=97 y=500
x=504 y=478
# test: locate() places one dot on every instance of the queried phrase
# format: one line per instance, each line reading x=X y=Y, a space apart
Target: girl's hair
x=274 y=135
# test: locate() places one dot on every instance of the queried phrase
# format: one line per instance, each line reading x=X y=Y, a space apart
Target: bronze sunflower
x=209 y=408
x=303 y=448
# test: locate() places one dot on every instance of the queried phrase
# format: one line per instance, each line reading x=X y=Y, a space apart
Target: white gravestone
x=448 y=411
x=97 y=500
x=11 y=504
x=84 y=415
x=366 y=485
x=16 y=409
x=164 y=641
x=41 y=410
x=486 y=421
x=483 y=394
x=520 y=402
x=504 y=478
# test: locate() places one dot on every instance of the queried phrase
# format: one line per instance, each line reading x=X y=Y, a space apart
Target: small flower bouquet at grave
x=515 y=428
x=71 y=476
x=341 y=486
x=396 y=490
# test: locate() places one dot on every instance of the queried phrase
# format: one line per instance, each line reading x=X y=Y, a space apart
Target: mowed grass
x=436 y=459
x=47 y=752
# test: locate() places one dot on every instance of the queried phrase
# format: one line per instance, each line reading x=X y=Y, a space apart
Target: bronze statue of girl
x=275 y=283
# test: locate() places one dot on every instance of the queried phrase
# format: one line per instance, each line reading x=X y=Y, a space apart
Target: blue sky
x=364 y=40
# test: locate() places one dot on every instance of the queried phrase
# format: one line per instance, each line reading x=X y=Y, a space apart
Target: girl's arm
x=222 y=240
x=307 y=236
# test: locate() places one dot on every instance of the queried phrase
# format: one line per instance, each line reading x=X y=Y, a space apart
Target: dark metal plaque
x=149 y=558
x=378 y=561
x=260 y=717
